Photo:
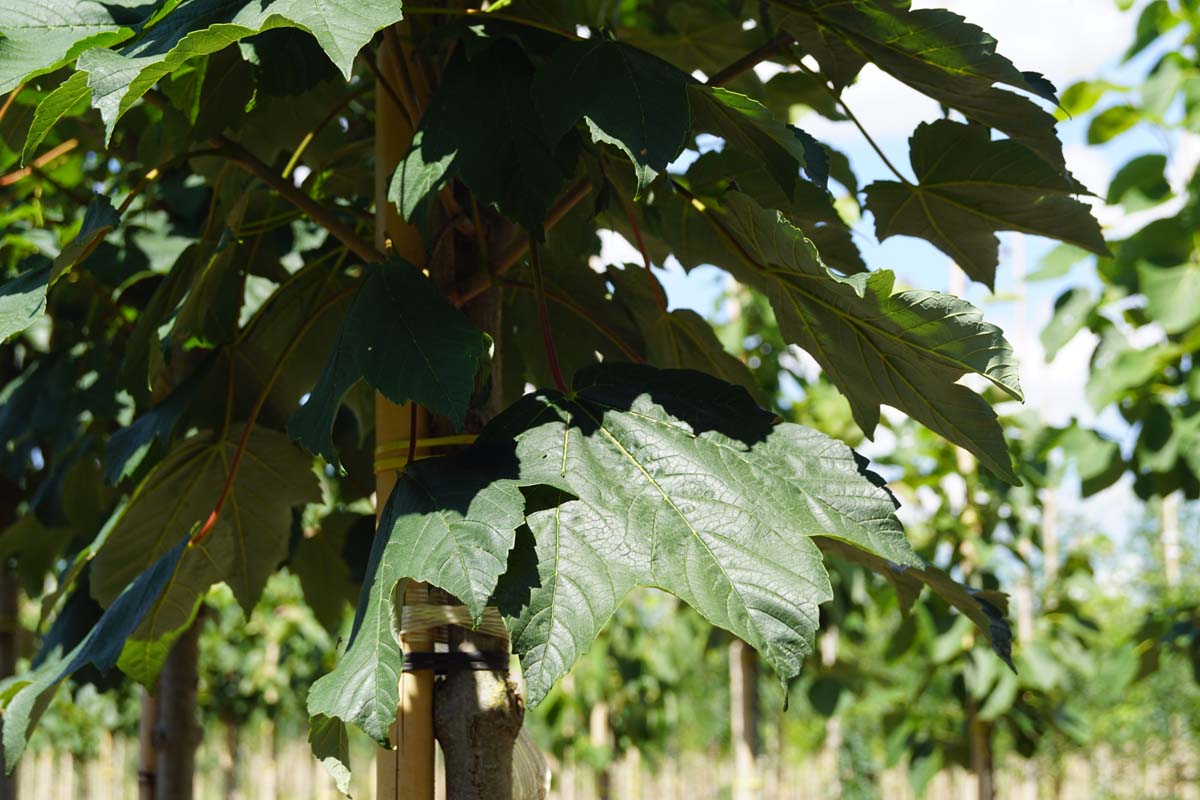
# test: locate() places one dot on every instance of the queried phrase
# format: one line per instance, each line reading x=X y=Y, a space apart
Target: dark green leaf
x=180 y=493
x=29 y=694
x=628 y=98
x=403 y=338
x=506 y=161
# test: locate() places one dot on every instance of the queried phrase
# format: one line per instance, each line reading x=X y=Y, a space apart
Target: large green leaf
x=119 y=77
x=450 y=522
x=939 y=54
x=508 y=161
x=38 y=35
x=904 y=349
x=628 y=97
x=676 y=480
x=968 y=187
x=29 y=695
x=180 y=493
x=402 y=337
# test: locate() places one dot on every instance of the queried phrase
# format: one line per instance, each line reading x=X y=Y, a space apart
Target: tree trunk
x=743 y=719
x=979 y=738
x=147 y=734
x=232 y=753
x=600 y=736
x=178 y=731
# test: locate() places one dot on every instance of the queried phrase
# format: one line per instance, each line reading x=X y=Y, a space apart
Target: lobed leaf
x=968 y=187
x=402 y=337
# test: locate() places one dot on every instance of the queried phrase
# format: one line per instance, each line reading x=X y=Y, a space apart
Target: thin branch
x=837 y=98
x=288 y=191
x=567 y=302
x=39 y=162
x=399 y=101
x=8 y=101
x=481 y=281
x=750 y=60
x=539 y=288
x=656 y=290
x=320 y=126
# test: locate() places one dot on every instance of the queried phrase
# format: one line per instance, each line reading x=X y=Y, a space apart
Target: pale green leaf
x=450 y=522
x=38 y=35
x=1172 y=295
x=73 y=91
x=21 y=300
x=676 y=480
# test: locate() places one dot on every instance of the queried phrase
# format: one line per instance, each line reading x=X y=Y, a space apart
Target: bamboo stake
x=406 y=772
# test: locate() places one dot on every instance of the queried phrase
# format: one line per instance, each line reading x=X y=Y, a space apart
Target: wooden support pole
x=405 y=773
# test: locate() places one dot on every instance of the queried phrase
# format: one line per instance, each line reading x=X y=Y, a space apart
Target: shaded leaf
x=403 y=338
x=968 y=187
x=939 y=54
x=507 y=161
x=629 y=98
x=182 y=491
x=30 y=694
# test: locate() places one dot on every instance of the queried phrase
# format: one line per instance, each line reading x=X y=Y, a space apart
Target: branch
x=567 y=302
x=750 y=60
x=539 y=289
x=481 y=281
x=288 y=191
x=39 y=162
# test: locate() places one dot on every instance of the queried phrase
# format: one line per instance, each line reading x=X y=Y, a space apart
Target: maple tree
x=191 y=281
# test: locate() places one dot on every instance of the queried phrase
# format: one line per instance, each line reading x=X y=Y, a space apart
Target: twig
x=288 y=191
x=539 y=288
x=850 y=116
x=39 y=162
x=480 y=282
x=8 y=101
x=750 y=60
x=656 y=290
